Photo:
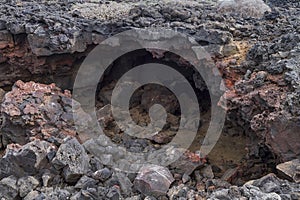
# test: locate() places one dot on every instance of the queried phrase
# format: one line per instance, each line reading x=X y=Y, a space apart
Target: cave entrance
x=228 y=154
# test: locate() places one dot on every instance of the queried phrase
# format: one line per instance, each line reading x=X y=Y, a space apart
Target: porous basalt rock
x=39 y=40
x=36 y=111
x=267 y=97
x=47 y=41
x=73 y=159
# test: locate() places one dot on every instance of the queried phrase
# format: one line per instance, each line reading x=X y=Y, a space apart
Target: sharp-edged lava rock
x=72 y=157
x=267 y=95
x=36 y=111
x=153 y=180
x=268 y=187
x=25 y=160
x=44 y=168
x=290 y=170
x=254 y=44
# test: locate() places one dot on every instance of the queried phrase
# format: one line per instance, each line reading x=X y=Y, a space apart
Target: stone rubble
x=25 y=160
x=268 y=187
x=41 y=169
x=44 y=157
x=27 y=185
x=26 y=111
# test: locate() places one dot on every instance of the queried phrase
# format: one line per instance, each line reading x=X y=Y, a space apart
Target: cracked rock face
x=267 y=98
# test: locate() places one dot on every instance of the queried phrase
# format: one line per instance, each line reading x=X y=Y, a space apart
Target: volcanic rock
x=33 y=195
x=73 y=159
x=245 y=8
x=26 y=185
x=25 y=160
x=102 y=174
x=187 y=163
x=114 y=193
x=207 y=172
x=268 y=187
x=153 y=180
x=8 y=188
x=125 y=183
x=291 y=169
x=86 y=182
x=32 y=110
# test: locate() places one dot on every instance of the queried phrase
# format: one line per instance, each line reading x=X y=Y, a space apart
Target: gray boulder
x=8 y=188
x=245 y=8
x=73 y=159
x=27 y=185
x=24 y=160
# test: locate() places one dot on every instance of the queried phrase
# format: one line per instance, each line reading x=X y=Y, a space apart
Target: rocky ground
x=255 y=46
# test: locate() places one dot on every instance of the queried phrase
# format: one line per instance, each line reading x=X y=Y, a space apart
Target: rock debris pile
x=254 y=44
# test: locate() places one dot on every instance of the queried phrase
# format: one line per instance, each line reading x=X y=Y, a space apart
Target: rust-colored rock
x=36 y=111
x=188 y=163
x=283 y=136
x=153 y=180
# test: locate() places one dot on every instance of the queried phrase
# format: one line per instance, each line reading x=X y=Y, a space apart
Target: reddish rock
x=153 y=180
x=188 y=163
x=36 y=111
x=282 y=136
x=163 y=137
x=269 y=125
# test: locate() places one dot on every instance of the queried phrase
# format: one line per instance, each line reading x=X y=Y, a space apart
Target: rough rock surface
x=267 y=98
x=72 y=157
x=245 y=8
x=290 y=169
x=153 y=180
x=8 y=188
x=27 y=184
x=25 y=160
x=45 y=41
x=66 y=170
x=268 y=187
x=36 y=39
x=26 y=111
